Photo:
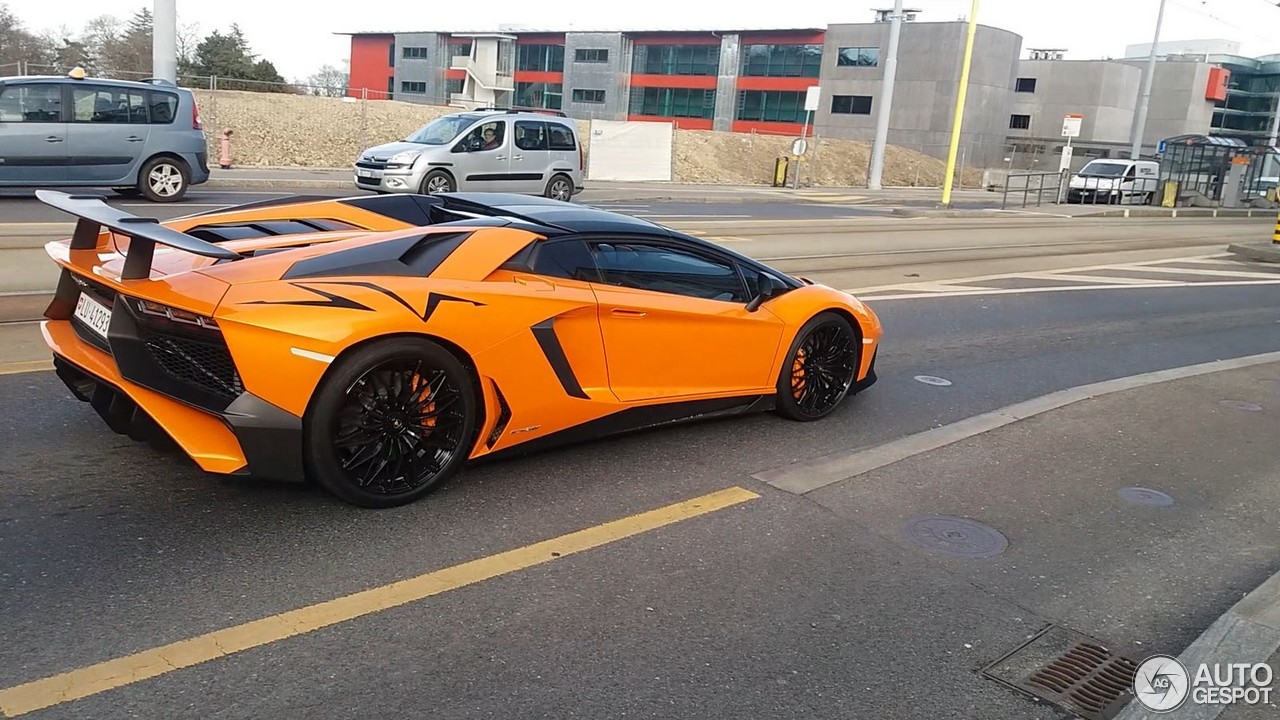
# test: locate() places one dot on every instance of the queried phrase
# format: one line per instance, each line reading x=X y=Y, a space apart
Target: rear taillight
x=582 y=159
x=195 y=116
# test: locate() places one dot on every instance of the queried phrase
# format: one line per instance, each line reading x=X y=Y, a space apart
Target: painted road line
x=1064 y=288
x=1093 y=279
x=129 y=669
x=26 y=366
x=1190 y=271
x=807 y=476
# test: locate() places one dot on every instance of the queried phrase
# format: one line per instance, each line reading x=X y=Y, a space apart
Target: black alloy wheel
x=820 y=369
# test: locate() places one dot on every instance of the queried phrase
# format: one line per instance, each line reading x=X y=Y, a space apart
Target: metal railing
x=1041 y=189
x=1111 y=190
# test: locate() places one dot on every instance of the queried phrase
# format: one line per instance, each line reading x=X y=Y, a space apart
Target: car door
x=33 y=138
x=531 y=158
x=675 y=322
x=484 y=157
x=107 y=134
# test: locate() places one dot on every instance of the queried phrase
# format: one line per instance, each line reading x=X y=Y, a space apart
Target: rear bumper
x=249 y=437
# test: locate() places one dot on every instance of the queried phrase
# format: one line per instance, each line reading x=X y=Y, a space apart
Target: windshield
x=1105 y=169
x=441 y=130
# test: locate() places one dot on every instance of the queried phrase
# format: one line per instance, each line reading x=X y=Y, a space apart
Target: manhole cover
x=1145 y=496
x=1070 y=670
x=931 y=380
x=1240 y=405
x=955 y=536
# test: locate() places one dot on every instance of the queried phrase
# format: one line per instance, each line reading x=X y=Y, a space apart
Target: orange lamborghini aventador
x=374 y=344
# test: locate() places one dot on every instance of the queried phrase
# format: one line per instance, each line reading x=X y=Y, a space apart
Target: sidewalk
x=1139 y=573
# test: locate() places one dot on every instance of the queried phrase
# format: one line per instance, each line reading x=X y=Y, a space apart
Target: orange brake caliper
x=798 y=375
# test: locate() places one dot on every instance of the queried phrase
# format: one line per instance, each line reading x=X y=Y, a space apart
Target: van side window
x=164 y=107
x=531 y=135
x=35 y=103
x=561 y=137
x=95 y=104
x=1132 y=172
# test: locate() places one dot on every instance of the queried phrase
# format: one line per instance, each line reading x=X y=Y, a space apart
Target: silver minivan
x=137 y=138
x=512 y=151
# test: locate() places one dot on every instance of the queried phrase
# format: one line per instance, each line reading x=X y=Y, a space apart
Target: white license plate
x=366 y=173
x=94 y=314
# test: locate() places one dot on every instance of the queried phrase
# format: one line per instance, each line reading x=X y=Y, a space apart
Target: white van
x=1115 y=181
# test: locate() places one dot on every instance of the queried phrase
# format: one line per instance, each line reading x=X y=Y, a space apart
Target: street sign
x=1160 y=148
x=811 y=97
x=1065 y=163
x=1071 y=125
x=799 y=146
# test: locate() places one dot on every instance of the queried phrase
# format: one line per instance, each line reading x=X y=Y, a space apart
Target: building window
x=1026 y=85
x=391 y=54
x=460 y=49
x=771 y=106
x=858 y=57
x=453 y=86
x=540 y=58
x=781 y=60
x=673 y=102
x=416 y=53
x=851 y=104
x=545 y=96
x=1019 y=122
x=419 y=88
x=588 y=96
x=590 y=55
x=391 y=88
x=676 y=60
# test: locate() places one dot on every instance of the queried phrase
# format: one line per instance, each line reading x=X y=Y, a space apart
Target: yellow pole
x=960 y=98
x=1275 y=237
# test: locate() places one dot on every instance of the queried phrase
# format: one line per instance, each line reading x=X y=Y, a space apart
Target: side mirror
x=769 y=287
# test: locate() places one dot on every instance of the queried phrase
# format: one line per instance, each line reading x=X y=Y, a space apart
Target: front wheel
x=390 y=423
x=819 y=368
x=560 y=187
x=438 y=181
x=163 y=180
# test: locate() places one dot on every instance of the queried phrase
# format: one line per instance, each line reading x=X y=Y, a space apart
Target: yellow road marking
x=25 y=367
x=104 y=676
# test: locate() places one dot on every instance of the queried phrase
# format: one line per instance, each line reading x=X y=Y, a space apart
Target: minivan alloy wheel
x=165 y=180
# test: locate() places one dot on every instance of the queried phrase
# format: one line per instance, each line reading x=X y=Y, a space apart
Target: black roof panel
x=556 y=213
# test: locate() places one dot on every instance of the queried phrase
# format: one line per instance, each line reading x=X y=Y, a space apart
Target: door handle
x=517 y=157
x=501 y=157
x=53 y=138
x=619 y=312
x=134 y=138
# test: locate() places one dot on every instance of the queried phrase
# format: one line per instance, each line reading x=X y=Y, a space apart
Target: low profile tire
x=559 y=187
x=438 y=181
x=164 y=179
x=391 y=422
x=819 y=369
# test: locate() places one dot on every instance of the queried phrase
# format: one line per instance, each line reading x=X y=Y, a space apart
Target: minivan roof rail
x=515 y=110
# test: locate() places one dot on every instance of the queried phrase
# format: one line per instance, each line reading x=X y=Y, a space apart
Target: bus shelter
x=1220 y=171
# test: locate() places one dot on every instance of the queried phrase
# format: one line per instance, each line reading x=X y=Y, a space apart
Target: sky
x=299 y=36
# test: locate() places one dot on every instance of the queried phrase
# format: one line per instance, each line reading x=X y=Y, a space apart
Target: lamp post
x=1140 y=114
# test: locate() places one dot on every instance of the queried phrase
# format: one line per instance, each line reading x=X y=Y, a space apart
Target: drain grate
x=1077 y=673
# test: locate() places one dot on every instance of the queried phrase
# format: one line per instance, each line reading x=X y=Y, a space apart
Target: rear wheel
x=163 y=179
x=819 y=369
x=391 y=423
x=560 y=187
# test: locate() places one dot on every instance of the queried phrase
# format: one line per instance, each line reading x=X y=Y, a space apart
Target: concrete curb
x=1183 y=212
x=1247 y=633
x=1264 y=251
x=804 y=477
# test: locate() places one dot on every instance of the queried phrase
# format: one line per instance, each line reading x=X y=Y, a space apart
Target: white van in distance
x=1106 y=182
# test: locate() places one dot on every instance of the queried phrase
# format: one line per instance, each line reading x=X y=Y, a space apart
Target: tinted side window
x=108 y=105
x=565 y=259
x=667 y=270
x=561 y=137
x=38 y=103
x=164 y=107
x=531 y=135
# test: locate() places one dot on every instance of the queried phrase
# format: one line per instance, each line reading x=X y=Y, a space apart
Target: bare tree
x=328 y=81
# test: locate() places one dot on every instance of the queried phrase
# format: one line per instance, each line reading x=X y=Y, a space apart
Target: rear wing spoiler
x=143 y=232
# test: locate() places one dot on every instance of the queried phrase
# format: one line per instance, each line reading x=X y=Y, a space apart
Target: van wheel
x=163 y=179
x=560 y=187
x=437 y=181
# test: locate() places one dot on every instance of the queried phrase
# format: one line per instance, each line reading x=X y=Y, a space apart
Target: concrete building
x=756 y=81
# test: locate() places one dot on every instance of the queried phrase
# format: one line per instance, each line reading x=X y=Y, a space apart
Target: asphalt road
x=781 y=606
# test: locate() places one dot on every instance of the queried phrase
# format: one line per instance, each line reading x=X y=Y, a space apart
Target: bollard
x=225 y=160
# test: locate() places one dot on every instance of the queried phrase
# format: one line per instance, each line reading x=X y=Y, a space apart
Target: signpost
x=801 y=144
x=1070 y=129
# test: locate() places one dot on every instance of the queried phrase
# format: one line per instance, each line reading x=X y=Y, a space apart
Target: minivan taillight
x=195 y=115
x=582 y=159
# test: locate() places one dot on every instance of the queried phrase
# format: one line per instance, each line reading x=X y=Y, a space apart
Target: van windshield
x=441 y=130
x=1104 y=169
